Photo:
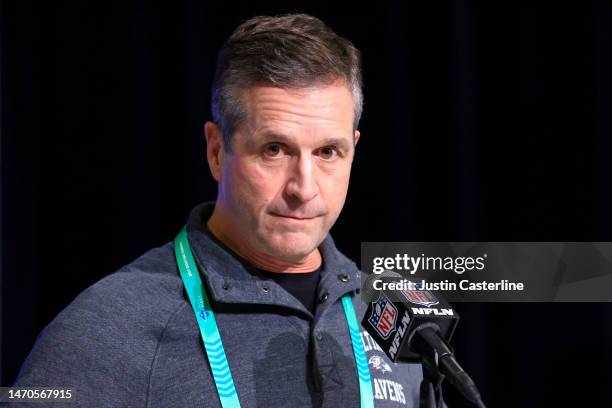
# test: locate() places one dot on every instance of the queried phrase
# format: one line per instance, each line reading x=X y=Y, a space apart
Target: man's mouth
x=295 y=217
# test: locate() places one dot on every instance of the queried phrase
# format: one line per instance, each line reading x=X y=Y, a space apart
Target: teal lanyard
x=212 y=339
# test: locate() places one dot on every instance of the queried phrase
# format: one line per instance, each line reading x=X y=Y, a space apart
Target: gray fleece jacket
x=131 y=339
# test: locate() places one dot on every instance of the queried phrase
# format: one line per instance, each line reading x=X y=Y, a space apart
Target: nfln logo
x=383 y=317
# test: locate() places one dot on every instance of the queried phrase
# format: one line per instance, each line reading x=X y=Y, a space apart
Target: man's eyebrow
x=278 y=137
x=331 y=141
x=266 y=136
x=337 y=141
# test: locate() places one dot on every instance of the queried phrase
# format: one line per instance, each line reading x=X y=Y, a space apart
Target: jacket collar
x=231 y=279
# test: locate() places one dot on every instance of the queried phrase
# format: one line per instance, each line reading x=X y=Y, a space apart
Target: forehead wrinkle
x=281 y=112
x=300 y=104
x=299 y=116
x=275 y=123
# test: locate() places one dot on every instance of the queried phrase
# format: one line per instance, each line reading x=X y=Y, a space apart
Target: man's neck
x=223 y=230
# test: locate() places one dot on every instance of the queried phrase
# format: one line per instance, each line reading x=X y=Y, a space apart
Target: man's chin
x=291 y=255
x=289 y=251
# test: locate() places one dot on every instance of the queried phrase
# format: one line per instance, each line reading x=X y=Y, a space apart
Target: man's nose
x=302 y=182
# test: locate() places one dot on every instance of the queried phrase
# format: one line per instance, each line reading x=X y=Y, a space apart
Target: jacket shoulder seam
x=157 y=349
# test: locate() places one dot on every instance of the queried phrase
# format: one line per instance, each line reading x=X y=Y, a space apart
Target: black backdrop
x=482 y=123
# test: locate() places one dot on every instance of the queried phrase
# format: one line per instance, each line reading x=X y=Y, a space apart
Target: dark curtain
x=483 y=121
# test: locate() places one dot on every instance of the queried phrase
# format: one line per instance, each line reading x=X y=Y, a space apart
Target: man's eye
x=328 y=152
x=273 y=150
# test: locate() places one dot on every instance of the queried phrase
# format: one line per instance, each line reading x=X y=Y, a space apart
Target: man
x=286 y=103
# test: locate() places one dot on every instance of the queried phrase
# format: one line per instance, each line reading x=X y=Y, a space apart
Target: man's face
x=285 y=180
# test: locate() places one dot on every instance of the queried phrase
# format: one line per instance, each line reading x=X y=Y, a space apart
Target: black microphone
x=413 y=325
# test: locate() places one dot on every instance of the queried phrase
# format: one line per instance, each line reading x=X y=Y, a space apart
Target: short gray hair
x=290 y=51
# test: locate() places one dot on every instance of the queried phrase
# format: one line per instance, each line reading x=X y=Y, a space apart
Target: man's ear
x=356 y=138
x=214 y=149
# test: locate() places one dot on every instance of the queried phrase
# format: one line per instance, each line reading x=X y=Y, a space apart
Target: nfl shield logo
x=383 y=317
x=420 y=297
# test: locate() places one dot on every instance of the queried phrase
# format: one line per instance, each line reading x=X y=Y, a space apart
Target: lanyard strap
x=363 y=372
x=212 y=339
x=206 y=321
